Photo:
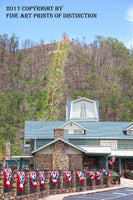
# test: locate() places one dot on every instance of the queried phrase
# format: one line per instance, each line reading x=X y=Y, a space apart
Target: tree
x=4 y=41
x=30 y=63
x=20 y=57
x=13 y=43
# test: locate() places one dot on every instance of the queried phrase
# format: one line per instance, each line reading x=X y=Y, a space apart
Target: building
x=82 y=141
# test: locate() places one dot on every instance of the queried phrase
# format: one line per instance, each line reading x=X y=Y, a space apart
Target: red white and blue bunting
x=33 y=179
x=21 y=180
x=42 y=178
x=7 y=177
x=54 y=176
x=91 y=175
x=98 y=176
x=106 y=172
x=80 y=175
x=68 y=176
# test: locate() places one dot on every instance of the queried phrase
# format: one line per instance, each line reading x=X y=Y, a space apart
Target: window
x=73 y=131
x=78 y=131
x=130 y=132
x=66 y=131
x=83 y=111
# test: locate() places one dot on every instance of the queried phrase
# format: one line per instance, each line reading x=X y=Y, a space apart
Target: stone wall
x=59 y=160
x=31 y=193
x=43 y=161
x=75 y=162
x=90 y=162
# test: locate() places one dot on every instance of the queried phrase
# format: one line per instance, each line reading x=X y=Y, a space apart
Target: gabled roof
x=71 y=121
x=83 y=98
x=41 y=129
x=45 y=129
x=103 y=130
x=57 y=139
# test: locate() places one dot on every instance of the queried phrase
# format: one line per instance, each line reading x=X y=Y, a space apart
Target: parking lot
x=119 y=194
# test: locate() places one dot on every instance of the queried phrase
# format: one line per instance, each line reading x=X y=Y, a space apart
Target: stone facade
x=60 y=158
x=90 y=162
x=75 y=162
x=44 y=161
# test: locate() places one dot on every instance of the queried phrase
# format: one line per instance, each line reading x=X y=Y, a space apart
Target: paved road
x=120 y=194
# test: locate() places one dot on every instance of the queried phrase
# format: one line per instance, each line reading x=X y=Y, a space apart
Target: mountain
x=37 y=81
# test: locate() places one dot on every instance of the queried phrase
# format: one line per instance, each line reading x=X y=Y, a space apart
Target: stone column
x=60 y=158
x=73 y=181
x=101 y=180
x=1 y=182
x=7 y=150
x=38 y=184
x=108 y=181
x=47 y=177
x=60 y=180
x=93 y=183
x=14 y=181
x=84 y=182
x=27 y=184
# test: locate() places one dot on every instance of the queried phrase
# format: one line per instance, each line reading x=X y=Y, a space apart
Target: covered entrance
x=122 y=163
x=97 y=162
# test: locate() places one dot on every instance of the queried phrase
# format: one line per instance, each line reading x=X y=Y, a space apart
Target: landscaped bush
x=128 y=174
x=114 y=177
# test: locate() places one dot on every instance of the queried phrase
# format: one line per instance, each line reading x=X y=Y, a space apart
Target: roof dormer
x=72 y=127
x=128 y=130
x=82 y=109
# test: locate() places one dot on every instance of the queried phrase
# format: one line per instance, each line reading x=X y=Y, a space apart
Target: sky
x=108 y=18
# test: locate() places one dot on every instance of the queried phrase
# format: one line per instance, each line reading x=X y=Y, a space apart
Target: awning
x=96 y=150
x=122 y=153
x=21 y=157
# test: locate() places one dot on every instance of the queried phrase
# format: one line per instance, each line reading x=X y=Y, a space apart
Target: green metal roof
x=45 y=129
x=105 y=129
x=41 y=129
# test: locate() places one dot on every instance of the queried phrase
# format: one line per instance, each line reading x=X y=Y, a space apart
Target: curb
x=63 y=196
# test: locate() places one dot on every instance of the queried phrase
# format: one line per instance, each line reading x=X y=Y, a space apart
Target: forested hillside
x=102 y=70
